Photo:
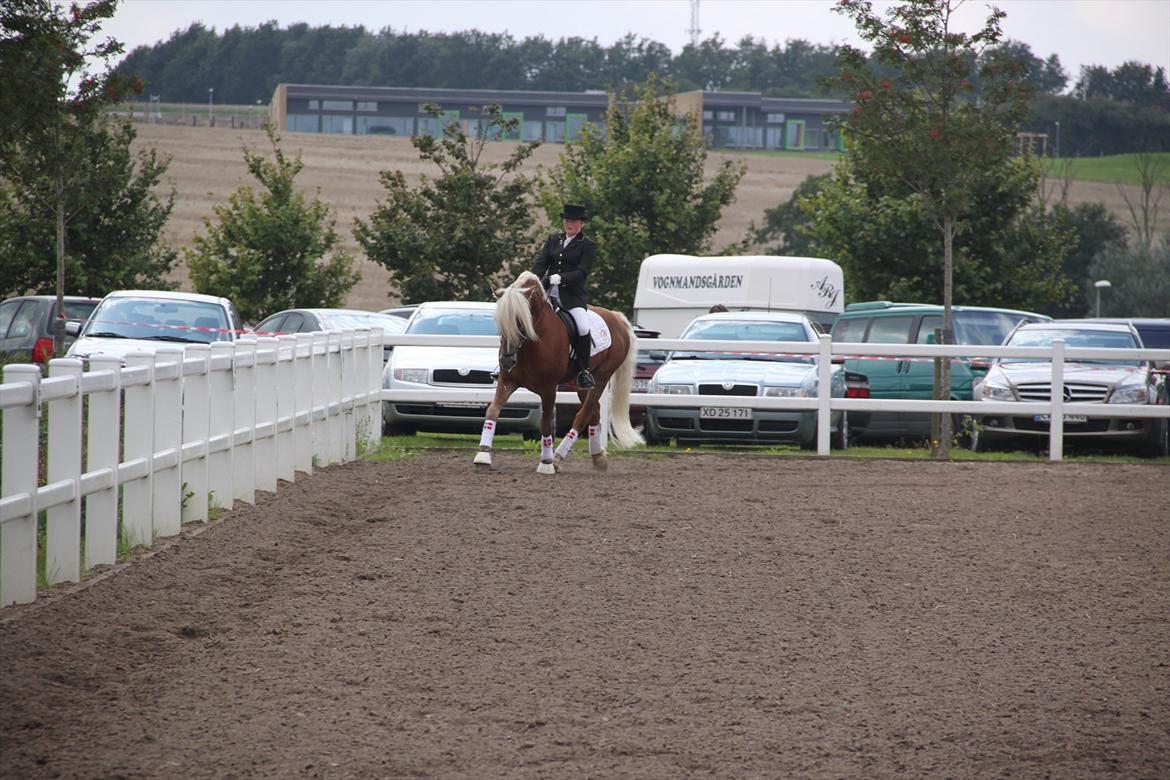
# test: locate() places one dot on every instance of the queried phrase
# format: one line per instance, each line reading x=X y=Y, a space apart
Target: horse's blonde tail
x=624 y=434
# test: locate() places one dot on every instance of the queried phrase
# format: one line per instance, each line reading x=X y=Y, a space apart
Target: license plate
x=640 y=385
x=1068 y=418
x=725 y=413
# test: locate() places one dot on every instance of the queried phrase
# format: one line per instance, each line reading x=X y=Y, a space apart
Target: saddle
x=571 y=329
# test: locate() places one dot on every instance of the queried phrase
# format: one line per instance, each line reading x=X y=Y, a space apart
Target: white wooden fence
x=168 y=438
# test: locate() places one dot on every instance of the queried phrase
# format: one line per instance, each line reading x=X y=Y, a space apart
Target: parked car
x=883 y=322
x=701 y=373
x=312 y=320
x=429 y=368
x=1154 y=332
x=26 y=325
x=649 y=361
x=145 y=320
x=1085 y=381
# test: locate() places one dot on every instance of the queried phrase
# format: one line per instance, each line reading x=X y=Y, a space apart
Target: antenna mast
x=694 y=31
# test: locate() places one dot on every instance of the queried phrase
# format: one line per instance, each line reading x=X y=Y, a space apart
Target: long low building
x=731 y=120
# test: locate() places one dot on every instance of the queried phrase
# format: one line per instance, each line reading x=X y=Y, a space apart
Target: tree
x=1095 y=230
x=1140 y=279
x=642 y=181
x=48 y=120
x=917 y=131
x=272 y=251
x=447 y=238
x=114 y=236
x=787 y=223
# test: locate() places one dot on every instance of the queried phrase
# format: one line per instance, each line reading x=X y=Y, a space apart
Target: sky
x=1080 y=32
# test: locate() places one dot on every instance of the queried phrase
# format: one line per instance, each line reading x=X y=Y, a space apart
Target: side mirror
x=72 y=328
x=657 y=354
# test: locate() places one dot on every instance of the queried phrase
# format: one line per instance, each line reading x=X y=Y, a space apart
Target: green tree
x=114 y=236
x=53 y=103
x=787 y=223
x=274 y=250
x=447 y=238
x=642 y=180
x=1140 y=279
x=915 y=129
x=1095 y=230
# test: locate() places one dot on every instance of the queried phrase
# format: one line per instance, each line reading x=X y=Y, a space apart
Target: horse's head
x=517 y=307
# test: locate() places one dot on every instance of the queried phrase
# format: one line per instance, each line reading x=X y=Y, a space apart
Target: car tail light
x=857 y=392
x=42 y=351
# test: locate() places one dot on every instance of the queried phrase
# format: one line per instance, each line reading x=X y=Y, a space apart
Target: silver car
x=759 y=375
x=433 y=368
x=1086 y=381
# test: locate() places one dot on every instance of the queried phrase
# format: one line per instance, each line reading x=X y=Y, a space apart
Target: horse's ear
x=500 y=292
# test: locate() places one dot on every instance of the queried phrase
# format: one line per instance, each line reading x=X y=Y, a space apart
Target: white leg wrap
x=546 y=449
x=594 y=441
x=567 y=443
x=489 y=432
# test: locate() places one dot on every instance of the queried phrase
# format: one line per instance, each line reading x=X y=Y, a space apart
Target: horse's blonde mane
x=514 y=311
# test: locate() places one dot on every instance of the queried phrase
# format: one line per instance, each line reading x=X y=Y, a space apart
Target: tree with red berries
x=54 y=111
x=919 y=127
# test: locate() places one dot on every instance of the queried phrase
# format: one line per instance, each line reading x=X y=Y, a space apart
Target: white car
x=431 y=368
x=1087 y=381
x=145 y=320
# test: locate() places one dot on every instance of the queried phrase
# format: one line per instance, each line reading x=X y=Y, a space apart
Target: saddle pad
x=599 y=331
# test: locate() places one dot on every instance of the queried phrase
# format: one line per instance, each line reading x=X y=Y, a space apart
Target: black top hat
x=573 y=211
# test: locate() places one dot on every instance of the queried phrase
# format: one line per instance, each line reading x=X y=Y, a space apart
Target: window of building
x=725 y=116
x=429 y=126
x=303 y=123
x=708 y=115
x=367 y=105
x=555 y=111
x=337 y=105
x=314 y=105
x=385 y=125
x=337 y=124
x=533 y=131
x=554 y=132
x=775 y=119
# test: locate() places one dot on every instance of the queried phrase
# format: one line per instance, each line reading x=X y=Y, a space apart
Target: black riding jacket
x=572 y=263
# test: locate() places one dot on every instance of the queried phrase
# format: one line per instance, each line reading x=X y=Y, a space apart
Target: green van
x=883 y=322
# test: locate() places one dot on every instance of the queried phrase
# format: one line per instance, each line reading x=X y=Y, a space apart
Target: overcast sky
x=1080 y=32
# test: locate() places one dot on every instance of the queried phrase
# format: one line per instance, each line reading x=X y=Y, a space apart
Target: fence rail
x=143 y=448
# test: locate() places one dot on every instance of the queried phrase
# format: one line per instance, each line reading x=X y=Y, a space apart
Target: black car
x=26 y=325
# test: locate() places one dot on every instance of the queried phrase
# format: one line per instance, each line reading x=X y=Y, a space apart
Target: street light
x=210 y=95
x=1100 y=284
x=1056 y=153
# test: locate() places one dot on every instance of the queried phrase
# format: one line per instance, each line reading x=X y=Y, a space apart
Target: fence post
x=824 y=393
x=18 y=473
x=303 y=403
x=63 y=521
x=1056 y=398
x=346 y=395
x=377 y=367
x=168 y=442
x=265 y=406
x=335 y=447
x=221 y=427
x=196 y=432
x=285 y=407
x=243 y=453
x=103 y=448
x=138 y=448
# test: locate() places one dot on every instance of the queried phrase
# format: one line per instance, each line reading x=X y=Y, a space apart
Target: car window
x=850 y=329
x=1100 y=339
x=78 y=310
x=890 y=330
x=927 y=327
x=740 y=330
x=295 y=322
x=1154 y=336
x=273 y=324
x=986 y=328
x=24 y=321
x=441 y=322
x=156 y=319
x=7 y=312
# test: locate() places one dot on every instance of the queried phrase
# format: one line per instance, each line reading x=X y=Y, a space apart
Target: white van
x=674 y=289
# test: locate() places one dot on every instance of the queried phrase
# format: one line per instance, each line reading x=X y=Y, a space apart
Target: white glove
x=554 y=280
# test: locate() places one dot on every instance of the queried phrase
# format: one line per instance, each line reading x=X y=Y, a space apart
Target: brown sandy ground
x=704 y=616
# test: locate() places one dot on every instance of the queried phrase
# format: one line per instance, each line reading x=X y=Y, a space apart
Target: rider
x=562 y=265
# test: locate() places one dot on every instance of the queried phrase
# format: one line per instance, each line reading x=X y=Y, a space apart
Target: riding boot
x=584 y=347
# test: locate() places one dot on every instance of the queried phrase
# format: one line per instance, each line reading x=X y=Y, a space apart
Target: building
x=732 y=120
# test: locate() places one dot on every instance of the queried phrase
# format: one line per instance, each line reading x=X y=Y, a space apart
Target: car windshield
x=743 y=330
x=985 y=327
x=453 y=322
x=1090 y=339
x=357 y=319
x=156 y=319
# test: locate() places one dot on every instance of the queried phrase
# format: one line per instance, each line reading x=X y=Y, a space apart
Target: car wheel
x=1158 y=443
x=839 y=439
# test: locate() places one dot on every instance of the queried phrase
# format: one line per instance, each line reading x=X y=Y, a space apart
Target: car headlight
x=1130 y=394
x=787 y=392
x=676 y=389
x=993 y=392
x=415 y=375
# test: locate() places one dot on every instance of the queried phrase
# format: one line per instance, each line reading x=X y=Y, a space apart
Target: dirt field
x=207 y=166
x=705 y=616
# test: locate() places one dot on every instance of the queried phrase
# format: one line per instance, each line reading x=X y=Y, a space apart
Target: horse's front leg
x=548 y=404
x=504 y=391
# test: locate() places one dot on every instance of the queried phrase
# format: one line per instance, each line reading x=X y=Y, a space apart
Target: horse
x=534 y=354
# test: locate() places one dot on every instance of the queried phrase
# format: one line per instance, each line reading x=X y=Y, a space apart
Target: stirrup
x=585 y=380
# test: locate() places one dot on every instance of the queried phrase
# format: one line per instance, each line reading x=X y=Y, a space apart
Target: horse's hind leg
x=588 y=418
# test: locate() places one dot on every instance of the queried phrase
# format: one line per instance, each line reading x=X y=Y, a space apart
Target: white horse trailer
x=674 y=289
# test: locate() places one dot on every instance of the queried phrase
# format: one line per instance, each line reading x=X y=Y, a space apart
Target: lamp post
x=1056 y=151
x=210 y=95
x=1100 y=284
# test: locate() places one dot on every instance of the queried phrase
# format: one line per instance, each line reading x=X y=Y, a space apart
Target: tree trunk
x=943 y=390
x=59 y=321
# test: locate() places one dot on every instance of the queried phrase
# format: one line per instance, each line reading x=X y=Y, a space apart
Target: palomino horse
x=534 y=354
